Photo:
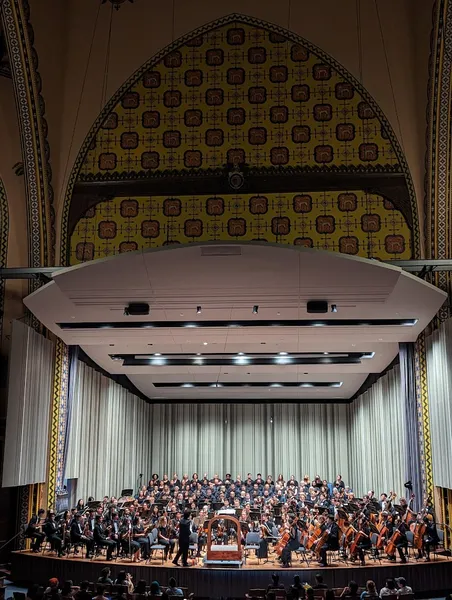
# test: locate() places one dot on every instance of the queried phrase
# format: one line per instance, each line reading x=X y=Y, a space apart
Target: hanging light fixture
x=117 y=3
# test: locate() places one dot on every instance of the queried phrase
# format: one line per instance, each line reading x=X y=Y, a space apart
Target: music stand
x=127 y=492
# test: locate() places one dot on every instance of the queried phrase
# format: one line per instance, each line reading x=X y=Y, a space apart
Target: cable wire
x=77 y=113
x=389 y=74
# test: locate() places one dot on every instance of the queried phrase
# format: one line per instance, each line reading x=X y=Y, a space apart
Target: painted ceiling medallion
x=116 y=3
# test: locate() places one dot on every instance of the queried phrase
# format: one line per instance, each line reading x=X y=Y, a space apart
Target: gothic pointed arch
x=321 y=165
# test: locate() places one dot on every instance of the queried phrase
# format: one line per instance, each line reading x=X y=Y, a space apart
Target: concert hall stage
x=427 y=579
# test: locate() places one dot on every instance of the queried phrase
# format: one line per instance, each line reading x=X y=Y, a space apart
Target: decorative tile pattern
x=238 y=90
x=423 y=415
x=58 y=422
x=3 y=247
x=349 y=222
x=245 y=95
x=438 y=181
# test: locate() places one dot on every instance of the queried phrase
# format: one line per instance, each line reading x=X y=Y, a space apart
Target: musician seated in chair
x=332 y=542
x=100 y=538
x=51 y=530
x=79 y=538
x=221 y=535
x=139 y=535
x=364 y=541
x=431 y=538
x=33 y=530
x=292 y=544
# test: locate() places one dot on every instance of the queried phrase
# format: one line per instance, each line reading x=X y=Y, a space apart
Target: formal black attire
x=102 y=541
x=51 y=530
x=164 y=538
x=332 y=542
x=138 y=533
x=431 y=538
x=78 y=537
x=184 y=541
x=36 y=536
x=292 y=544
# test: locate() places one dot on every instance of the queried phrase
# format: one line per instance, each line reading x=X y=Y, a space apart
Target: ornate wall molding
x=191 y=38
x=58 y=422
x=423 y=416
x=33 y=127
x=438 y=185
x=4 y=225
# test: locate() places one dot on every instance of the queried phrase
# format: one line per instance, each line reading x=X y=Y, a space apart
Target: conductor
x=184 y=539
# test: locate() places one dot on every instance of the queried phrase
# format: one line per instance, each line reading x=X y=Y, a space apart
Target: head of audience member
x=53 y=583
x=391 y=584
x=84 y=585
x=275 y=578
x=155 y=589
x=140 y=588
x=353 y=588
x=318 y=578
x=371 y=587
x=32 y=592
x=121 y=577
x=100 y=590
x=66 y=589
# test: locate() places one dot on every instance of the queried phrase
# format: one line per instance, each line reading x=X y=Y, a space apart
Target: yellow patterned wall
x=239 y=93
x=350 y=222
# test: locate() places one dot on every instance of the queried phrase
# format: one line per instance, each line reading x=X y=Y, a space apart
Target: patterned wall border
x=438 y=187
x=58 y=422
x=33 y=126
x=233 y=18
x=423 y=415
x=3 y=248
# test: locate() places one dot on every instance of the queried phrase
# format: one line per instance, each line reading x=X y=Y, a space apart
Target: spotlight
x=255 y=309
x=198 y=310
x=334 y=308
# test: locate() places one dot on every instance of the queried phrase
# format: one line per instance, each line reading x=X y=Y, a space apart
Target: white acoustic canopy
x=85 y=305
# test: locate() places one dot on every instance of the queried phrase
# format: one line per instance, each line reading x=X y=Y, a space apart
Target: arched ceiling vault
x=240 y=92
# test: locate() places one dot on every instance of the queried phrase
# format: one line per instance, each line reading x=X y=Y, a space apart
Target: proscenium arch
x=238 y=20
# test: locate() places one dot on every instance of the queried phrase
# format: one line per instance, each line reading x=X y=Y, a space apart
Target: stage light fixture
x=198 y=310
x=255 y=309
x=136 y=309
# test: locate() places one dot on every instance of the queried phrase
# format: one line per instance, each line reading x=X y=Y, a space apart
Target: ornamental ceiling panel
x=356 y=223
x=240 y=94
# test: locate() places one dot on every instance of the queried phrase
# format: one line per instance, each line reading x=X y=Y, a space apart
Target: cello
x=392 y=544
x=284 y=540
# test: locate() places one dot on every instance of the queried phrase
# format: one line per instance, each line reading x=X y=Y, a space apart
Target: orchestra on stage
x=277 y=518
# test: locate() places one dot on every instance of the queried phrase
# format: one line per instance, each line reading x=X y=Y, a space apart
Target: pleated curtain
x=115 y=436
x=30 y=385
x=439 y=374
x=377 y=443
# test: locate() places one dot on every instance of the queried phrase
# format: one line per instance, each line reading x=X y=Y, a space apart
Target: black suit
x=184 y=541
x=332 y=542
x=50 y=529
x=77 y=537
x=102 y=541
x=32 y=533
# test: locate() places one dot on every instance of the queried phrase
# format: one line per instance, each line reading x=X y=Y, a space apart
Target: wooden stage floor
x=426 y=578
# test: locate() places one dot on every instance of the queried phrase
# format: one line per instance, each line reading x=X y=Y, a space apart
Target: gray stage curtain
x=110 y=436
x=439 y=371
x=30 y=382
x=377 y=445
x=413 y=451
x=115 y=436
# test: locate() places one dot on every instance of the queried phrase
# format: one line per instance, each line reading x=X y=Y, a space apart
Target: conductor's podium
x=223 y=555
